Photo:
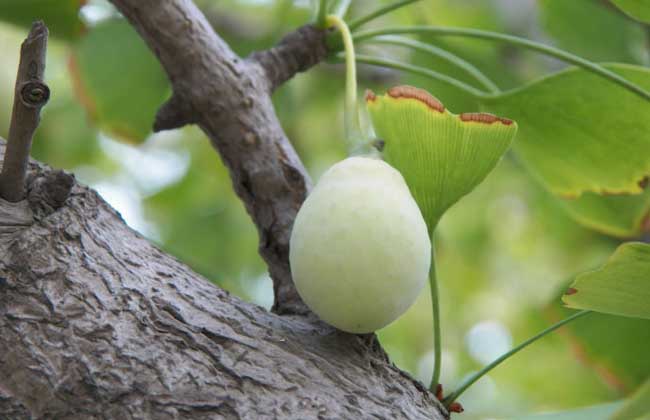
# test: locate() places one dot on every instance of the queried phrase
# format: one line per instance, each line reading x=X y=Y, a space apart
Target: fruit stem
x=352 y=124
x=476 y=376
x=435 y=306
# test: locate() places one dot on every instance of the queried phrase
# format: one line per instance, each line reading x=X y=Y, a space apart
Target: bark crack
x=95 y=322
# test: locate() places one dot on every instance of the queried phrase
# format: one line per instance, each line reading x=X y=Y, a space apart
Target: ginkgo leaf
x=60 y=16
x=442 y=156
x=620 y=287
x=580 y=132
x=618 y=358
x=118 y=80
x=564 y=23
x=623 y=216
x=638 y=9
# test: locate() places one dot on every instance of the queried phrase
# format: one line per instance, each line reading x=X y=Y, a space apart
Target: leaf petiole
x=510 y=39
x=422 y=71
x=378 y=13
x=478 y=375
x=440 y=53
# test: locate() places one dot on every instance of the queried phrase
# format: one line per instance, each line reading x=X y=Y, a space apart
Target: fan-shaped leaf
x=623 y=216
x=580 y=132
x=620 y=287
x=442 y=156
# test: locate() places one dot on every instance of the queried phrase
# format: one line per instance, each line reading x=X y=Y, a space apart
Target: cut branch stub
x=175 y=113
x=30 y=95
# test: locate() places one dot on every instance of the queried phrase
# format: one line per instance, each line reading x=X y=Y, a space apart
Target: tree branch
x=96 y=323
x=228 y=97
x=30 y=95
x=296 y=52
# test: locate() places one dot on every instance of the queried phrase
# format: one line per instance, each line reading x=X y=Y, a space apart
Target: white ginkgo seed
x=360 y=250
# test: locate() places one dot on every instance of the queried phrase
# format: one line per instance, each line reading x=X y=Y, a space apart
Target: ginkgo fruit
x=360 y=251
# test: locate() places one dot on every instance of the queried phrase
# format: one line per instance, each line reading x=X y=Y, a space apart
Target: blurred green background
x=505 y=252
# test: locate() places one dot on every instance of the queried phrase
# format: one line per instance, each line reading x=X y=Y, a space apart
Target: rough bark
x=97 y=323
x=229 y=98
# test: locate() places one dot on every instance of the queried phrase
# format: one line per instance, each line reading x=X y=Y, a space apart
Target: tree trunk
x=97 y=323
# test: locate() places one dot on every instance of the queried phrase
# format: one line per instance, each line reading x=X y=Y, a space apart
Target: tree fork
x=228 y=97
x=95 y=322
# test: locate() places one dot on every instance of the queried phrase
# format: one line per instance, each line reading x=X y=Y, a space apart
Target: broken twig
x=30 y=95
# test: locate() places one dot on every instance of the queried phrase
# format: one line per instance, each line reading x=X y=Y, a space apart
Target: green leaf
x=638 y=9
x=60 y=16
x=637 y=406
x=580 y=132
x=595 y=412
x=618 y=357
x=620 y=287
x=119 y=81
x=442 y=156
x=623 y=216
x=565 y=22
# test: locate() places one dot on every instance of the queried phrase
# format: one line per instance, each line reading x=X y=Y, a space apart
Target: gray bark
x=30 y=95
x=229 y=98
x=97 y=323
